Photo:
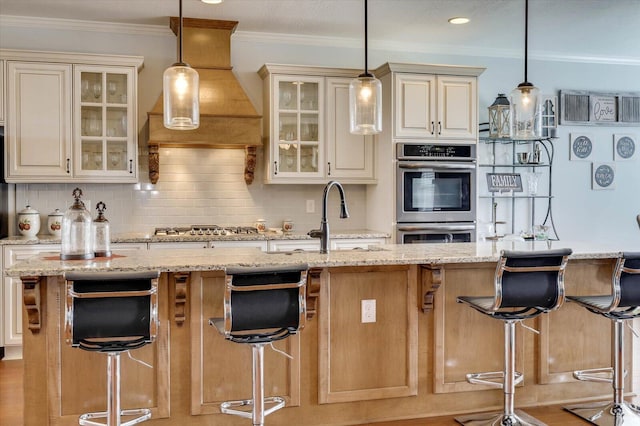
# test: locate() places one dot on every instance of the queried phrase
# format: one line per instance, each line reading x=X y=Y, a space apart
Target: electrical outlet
x=368 y=310
x=311 y=206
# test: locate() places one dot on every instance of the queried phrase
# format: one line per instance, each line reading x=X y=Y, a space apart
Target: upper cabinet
x=2 y=96
x=71 y=118
x=306 y=124
x=429 y=105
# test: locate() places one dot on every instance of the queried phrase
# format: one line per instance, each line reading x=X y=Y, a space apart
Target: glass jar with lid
x=76 y=231
x=101 y=233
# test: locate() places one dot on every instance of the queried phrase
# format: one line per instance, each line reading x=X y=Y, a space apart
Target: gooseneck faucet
x=323 y=232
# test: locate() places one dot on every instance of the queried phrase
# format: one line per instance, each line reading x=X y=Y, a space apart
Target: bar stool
x=621 y=305
x=261 y=305
x=527 y=284
x=111 y=313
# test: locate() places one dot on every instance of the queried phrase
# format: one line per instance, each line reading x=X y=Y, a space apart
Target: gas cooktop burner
x=200 y=230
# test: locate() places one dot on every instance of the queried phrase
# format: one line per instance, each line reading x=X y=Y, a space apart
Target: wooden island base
x=410 y=363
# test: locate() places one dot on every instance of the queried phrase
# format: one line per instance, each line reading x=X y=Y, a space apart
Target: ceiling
x=598 y=29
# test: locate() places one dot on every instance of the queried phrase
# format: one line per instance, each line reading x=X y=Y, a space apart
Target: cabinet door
x=12 y=292
x=2 y=97
x=457 y=108
x=179 y=245
x=415 y=106
x=297 y=128
x=350 y=157
x=39 y=122
x=105 y=134
x=356 y=243
x=291 y=245
x=262 y=245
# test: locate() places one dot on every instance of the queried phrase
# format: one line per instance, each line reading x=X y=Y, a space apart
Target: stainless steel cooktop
x=199 y=230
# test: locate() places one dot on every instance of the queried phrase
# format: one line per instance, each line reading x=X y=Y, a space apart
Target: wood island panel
x=410 y=363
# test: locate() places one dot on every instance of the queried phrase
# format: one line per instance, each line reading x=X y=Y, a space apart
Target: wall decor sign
x=603 y=175
x=549 y=115
x=624 y=146
x=503 y=182
x=581 y=146
x=599 y=108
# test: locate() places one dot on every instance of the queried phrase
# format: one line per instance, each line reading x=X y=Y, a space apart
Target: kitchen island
x=410 y=363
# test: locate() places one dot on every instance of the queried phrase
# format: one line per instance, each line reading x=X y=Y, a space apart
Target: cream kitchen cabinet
x=2 y=96
x=314 y=244
x=262 y=245
x=307 y=127
x=70 y=117
x=431 y=106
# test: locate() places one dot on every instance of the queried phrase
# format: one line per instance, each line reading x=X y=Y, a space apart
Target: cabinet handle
x=433 y=127
x=68 y=165
x=329 y=164
x=130 y=166
x=275 y=163
x=439 y=127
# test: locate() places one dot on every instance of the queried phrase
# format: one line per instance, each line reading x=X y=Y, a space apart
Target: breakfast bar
x=410 y=362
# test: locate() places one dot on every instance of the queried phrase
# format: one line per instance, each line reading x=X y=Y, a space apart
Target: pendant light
x=525 y=106
x=365 y=97
x=180 y=92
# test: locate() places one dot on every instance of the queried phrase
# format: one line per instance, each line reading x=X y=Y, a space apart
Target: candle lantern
x=499 y=117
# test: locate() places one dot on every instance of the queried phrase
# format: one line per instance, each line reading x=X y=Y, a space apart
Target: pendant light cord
x=366 y=37
x=526 y=37
x=180 y=44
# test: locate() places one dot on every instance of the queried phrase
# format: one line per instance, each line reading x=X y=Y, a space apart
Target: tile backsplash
x=199 y=186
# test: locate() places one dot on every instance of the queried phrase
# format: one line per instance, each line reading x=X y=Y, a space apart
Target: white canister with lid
x=54 y=222
x=28 y=222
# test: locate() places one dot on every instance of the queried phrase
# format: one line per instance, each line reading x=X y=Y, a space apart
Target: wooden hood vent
x=227 y=116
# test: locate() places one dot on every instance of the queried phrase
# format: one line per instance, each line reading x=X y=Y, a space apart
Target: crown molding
x=320 y=41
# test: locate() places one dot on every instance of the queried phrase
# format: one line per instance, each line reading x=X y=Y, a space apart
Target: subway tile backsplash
x=199 y=186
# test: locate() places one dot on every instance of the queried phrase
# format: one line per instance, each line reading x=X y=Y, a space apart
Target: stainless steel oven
x=436 y=188
x=452 y=232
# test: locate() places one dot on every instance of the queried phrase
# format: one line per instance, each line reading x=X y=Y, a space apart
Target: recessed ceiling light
x=456 y=20
x=212 y=1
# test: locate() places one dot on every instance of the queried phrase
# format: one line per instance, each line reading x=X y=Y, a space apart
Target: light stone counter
x=140 y=237
x=167 y=260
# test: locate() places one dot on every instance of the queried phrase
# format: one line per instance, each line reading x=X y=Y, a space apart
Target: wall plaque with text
x=502 y=182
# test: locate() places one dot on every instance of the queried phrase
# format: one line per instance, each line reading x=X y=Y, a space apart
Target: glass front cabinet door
x=105 y=139
x=297 y=129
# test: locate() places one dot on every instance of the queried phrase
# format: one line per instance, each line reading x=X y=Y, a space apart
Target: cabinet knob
x=275 y=164
x=68 y=165
x=433 y=127
x=439 y=127
x=329 y=171
x=130 y=166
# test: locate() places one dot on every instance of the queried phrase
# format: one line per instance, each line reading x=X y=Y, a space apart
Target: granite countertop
x=166 y=260
x=140 y=237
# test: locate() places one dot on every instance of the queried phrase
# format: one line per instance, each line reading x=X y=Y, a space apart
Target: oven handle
x=436 y=165
x=437 y=228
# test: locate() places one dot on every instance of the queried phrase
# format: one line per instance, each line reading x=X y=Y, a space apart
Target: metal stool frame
x=102 y=339
x=508 y=304
x=241 y=324
x=621 y=305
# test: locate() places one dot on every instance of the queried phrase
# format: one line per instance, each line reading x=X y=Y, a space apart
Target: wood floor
x=11 y=405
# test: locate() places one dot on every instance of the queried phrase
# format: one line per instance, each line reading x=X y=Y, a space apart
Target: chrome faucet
x=323 y=232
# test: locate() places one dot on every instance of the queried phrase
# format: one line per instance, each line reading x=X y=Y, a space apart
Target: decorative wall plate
x=603 y=175
x=624 y=147
x=581 y=146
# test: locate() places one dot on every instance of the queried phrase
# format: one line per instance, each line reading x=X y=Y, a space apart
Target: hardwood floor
x=11 y=405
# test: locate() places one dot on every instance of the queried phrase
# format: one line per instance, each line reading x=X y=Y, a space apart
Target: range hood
x=227 y=116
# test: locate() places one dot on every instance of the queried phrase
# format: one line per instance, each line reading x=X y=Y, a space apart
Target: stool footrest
x=518 y=418
x=491 y=378
x=142 y=413
x=228 y=406
x=595 y=375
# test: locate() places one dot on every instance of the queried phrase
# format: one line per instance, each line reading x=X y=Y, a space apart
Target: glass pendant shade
x=365 y=105
x=181 y=89
x=525 y=113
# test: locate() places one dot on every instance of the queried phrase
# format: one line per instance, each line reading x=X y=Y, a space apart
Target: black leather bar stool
x=261 y=305
x=621 y=305
x=527 y=284
x=111 y=313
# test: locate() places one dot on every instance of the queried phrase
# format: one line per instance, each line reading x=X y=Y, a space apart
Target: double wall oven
x=436 y=193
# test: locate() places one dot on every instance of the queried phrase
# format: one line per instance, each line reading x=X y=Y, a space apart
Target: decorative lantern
x=499 y=117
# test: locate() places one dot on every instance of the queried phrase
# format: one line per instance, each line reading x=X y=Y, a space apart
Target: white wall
x=216 y=196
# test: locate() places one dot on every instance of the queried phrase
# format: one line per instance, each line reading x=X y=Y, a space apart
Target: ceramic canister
x=54 y=222
x=28 y=222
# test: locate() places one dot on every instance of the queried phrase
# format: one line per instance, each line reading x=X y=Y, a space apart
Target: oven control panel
x=419 y=151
